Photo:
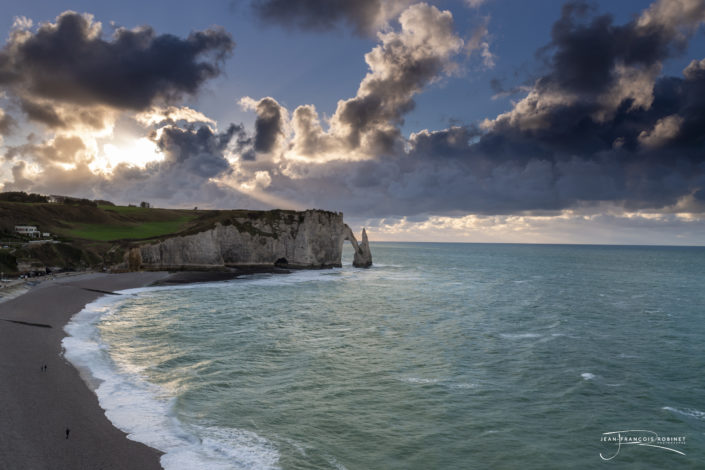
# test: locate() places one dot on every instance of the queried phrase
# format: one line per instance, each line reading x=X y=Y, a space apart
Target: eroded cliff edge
x=300 y=240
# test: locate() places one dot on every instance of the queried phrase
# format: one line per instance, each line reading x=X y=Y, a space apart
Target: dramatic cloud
x=69 y=61
x=364 y=16
x=269 y=125
x=404 y=62
x=198 y=151
x=600 y=126
x=600 y=66
x=400 y=67
x=600 y=131
x=94 y=93
x=67 y=75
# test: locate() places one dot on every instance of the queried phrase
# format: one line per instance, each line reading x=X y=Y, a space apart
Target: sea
x=440 y=356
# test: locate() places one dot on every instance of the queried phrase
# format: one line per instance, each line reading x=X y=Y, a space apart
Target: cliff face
x=310 y=239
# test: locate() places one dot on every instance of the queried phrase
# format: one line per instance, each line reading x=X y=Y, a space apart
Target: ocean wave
x=419 y=380
x=334 y=463
x=693 y=413
x=519 y=335
x=444 y=382
x=463 y=385
x=145 y=411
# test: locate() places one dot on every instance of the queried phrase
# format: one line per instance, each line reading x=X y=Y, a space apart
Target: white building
x=28 y=230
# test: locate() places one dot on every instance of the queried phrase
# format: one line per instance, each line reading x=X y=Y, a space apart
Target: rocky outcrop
x=310 y=239
x=363 y=256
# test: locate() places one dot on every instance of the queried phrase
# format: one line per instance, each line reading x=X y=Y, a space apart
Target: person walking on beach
x=67 y=432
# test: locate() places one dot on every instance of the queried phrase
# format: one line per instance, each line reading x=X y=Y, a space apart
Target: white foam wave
x=333 y=462
x=145 y=411
x=264 y=279
x=687 y=412
x=519 y=335
x=587 y=376
x=419 y=380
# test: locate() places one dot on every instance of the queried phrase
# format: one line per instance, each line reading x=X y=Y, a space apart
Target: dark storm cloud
x=364 y=16
x=41 y=112
x=586 y=49
x=575 y=159
x=243 y=144
x=199 y=151
x=70 y=62
x=268 y=125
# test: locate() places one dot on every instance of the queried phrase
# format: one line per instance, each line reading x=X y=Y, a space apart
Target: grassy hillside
x=90 y=235
x=138 y=230
x=102 y=223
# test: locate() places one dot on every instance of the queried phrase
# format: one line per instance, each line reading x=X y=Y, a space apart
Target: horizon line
x=540 y=243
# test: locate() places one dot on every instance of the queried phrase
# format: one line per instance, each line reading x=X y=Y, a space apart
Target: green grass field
x=126 y=209
x=102 y=232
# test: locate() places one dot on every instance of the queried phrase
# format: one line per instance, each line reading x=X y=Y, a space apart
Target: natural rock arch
x=363 y=256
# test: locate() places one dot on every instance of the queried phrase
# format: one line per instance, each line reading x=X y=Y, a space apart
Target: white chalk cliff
x=309 y=239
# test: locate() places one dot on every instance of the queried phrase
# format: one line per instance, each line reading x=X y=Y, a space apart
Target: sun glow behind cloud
x=137 y=153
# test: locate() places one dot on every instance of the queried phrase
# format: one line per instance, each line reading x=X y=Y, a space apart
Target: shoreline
x=39 y=405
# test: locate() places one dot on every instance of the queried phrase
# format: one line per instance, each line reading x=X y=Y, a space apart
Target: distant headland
x=49 y=233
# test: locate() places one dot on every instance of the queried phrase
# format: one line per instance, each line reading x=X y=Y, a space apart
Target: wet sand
x=37 y=406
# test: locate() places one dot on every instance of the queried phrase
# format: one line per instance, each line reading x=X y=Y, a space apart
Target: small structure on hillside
x=28 y=230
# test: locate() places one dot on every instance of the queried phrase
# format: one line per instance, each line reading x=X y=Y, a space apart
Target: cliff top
x=108 y=223
x=101 y=231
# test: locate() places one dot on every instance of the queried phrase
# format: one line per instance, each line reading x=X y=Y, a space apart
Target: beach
x=38 y=406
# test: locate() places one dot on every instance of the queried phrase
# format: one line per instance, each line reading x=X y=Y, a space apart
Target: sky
x=460 y=121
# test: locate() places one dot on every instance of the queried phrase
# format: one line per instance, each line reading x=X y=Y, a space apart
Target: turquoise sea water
x=441 y=356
